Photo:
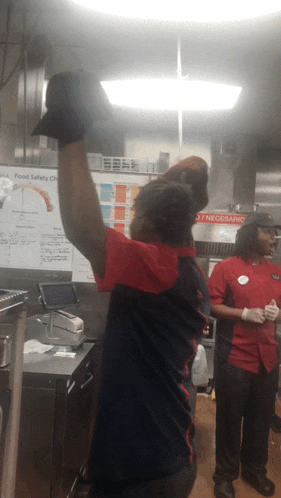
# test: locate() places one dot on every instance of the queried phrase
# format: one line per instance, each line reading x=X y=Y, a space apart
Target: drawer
x=83 y=377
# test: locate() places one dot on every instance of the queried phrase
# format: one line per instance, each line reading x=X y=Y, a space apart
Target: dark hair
x=171 y=208
x=246 y=242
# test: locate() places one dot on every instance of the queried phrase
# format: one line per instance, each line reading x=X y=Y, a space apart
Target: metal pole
x=179 y=77
x=12 y=430
x=25 y=131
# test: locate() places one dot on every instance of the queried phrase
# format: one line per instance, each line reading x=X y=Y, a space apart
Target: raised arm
x=79 y=205
x=76 y=104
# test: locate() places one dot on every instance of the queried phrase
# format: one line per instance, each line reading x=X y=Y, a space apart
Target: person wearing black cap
x=245 y=293
x=159 y=305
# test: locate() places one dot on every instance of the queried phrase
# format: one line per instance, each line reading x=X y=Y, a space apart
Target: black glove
x=75 y=101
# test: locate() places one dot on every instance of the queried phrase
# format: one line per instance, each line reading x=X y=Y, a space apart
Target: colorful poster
x=121 y=193
x=31 y=231
x=120 y=213
x=134 y=192
x=119 y=227
x=106 y=192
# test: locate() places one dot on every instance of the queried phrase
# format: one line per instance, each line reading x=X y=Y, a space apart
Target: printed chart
x=31 y=232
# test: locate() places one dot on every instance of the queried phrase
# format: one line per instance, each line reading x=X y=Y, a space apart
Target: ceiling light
x=183 y=10
x=171 y=95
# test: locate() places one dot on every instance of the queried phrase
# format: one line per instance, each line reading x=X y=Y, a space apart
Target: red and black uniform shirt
x=246 y=344
x=159 y=305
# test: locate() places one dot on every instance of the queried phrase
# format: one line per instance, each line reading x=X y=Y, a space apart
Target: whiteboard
x=31 y=231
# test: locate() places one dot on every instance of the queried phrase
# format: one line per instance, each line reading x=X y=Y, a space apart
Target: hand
x=271 y=311
x=256 y=315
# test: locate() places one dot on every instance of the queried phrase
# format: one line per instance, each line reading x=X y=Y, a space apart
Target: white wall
x=145 y=147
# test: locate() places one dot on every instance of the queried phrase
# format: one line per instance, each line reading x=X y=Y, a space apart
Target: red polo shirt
x=246 y=344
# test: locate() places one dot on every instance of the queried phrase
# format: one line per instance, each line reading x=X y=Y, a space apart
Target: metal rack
x=122 y=164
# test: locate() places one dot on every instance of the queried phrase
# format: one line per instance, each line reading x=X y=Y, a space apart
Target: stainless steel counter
x=57 y=415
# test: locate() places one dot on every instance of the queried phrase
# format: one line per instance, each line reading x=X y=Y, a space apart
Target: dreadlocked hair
x=246 y=242
x=171 y=208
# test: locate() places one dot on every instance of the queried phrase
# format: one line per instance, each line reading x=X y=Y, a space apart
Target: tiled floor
x=205 y=444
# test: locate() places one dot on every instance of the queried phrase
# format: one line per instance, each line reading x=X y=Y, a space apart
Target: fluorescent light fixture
x=171 y=95
x=184 y=10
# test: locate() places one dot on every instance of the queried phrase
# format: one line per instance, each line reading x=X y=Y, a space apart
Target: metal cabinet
x=57 y=415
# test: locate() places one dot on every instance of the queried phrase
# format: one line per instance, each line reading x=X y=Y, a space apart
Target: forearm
x=223 y=312
x=79 y=205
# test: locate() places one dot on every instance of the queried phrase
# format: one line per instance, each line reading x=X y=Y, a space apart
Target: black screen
x=58 y=295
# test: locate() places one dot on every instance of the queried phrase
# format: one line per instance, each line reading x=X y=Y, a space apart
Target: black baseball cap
x=261 y=220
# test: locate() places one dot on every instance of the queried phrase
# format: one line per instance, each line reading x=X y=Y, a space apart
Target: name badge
x=243 y=280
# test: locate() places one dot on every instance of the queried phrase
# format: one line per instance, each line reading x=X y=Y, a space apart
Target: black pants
x=239 y=394
x=175 y=486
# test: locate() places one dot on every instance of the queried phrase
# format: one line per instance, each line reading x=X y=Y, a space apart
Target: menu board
x=31 y=231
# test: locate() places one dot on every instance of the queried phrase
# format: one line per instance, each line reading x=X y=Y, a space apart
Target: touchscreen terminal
x=58 y=295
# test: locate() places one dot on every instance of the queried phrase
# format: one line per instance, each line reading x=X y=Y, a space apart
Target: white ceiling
x=244 y=53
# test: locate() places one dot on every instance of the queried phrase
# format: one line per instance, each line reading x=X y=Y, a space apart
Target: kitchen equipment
x=11 y=300
x=58 y=327
x=5 y=345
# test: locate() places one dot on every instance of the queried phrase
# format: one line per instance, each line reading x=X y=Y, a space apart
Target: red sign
x=221 y=218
